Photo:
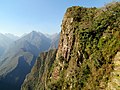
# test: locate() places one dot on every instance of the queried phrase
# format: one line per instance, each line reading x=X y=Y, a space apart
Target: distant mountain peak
x=19 y=57
x=34 y=31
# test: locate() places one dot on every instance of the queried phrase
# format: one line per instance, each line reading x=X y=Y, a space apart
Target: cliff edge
x=88 y=55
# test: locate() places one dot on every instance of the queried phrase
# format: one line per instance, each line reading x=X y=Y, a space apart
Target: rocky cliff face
x=39 y=72
x=88 y=51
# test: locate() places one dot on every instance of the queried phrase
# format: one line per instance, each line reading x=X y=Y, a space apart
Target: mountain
x=19 y=58
x=11 y=36
x=88 y=55
x=54 y=40
x=43 y=62
x=4 y=43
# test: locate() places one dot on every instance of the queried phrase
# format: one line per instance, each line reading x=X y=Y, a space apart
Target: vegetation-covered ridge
x=88 y=55
x=39 y=72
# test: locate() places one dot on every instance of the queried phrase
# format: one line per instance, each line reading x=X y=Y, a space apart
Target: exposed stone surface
x=114 y=82
x=88 y=51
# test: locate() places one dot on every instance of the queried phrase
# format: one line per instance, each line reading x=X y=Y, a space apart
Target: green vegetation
x=97 y=31
x=90 y=39
x=36 y=79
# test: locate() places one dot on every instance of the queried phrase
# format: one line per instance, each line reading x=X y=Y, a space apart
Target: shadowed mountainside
x=19 y=58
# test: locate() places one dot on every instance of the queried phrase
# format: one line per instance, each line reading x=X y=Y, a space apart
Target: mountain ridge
x=87 y=53
x=5 y=41
x=22 y=53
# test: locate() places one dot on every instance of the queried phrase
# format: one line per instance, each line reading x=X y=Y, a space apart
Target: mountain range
x=84 y=56
x=18 y=59
x=5 y=41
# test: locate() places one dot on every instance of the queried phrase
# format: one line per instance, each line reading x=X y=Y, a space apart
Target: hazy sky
x=23 y=16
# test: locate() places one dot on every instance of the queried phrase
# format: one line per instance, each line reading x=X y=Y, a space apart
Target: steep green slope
x=38 y=75
x=88 y=52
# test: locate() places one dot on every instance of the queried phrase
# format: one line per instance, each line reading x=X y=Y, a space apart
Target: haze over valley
x=60 y=45
x=18 y=55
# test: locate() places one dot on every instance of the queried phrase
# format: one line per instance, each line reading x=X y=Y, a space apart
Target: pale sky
x=23 y=16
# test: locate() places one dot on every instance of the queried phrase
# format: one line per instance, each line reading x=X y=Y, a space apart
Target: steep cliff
x=88 y=55
x=39 y=72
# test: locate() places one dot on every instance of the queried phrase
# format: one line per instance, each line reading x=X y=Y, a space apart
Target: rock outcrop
x=88 y=51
